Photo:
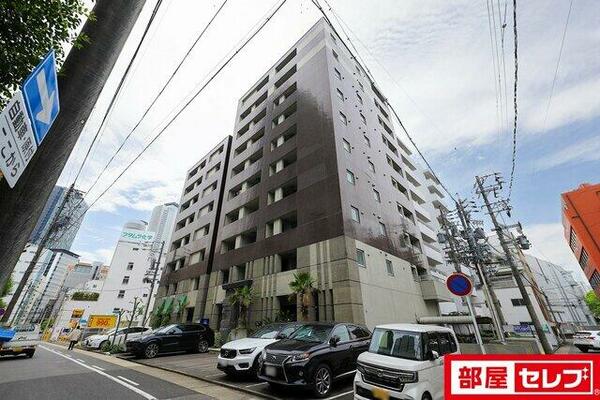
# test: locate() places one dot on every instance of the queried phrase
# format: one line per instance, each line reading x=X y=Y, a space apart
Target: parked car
x=242 y=356
x=587 y=340
x=314 y=356
x=24 y=341
x=99 y=340
x=171 y=338
x=404 y=361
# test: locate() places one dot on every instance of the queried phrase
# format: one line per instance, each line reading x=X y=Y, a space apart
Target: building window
x=595 y=280
x=145 y=295
x=584 y=258
x=382 y=229
x=363 y=119
x=573 y=240
x=360 y=100
x=367 y=141
x=360 y=258
x=360 y=85
x=347 y=146
x=340 y=94
x=350 y=177
x=335 y=55
x=343 y=118
x=337 y=73
x=121 y=294
x=355 y=214
x=135 y=249
x=517 y=302
x=333 y=38
x=389 y=267
x=129 y=266
x=372 y=167
x=376 y=196
x=196 y=283
x=125 y=280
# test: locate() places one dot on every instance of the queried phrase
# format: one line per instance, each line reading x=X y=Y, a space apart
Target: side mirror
x=281 y=336
x=433 y=355
x=333 y=341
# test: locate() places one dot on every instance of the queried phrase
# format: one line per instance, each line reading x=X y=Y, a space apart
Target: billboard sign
x=102 y=321
x=135 y=236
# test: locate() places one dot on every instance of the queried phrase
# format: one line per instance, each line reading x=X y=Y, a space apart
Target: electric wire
x=515 y=105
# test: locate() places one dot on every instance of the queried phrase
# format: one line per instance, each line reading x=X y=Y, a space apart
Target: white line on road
x=128 y=380
x=340 y=395
x=80 y=360
x=213 y=375
x=256 y=384
x=97 y=367
x=120 y=382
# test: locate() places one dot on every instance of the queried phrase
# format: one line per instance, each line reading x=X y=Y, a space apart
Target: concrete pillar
x=242 y=212
x=238 y=242
x=244 y=187
x=278 y=166
x=247 y=163
x=277 y=226
x=278 y=194
x=280 y=140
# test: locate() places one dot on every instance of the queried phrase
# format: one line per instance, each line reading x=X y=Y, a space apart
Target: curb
x=227 y=385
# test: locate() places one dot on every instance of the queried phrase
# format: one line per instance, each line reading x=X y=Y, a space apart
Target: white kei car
x=404 y=361
x=587 y=340
x=98 y=341
x=241 y=356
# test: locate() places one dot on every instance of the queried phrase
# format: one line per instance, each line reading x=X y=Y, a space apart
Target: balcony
x=427 y=230
x=434 y=289
x=422 y=210
x=433 y=254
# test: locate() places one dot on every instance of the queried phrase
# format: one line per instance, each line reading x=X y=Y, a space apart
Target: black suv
x=314 y=355
x=171 y=338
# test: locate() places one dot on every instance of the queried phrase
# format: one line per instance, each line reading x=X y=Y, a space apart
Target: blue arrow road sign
x=40 y=90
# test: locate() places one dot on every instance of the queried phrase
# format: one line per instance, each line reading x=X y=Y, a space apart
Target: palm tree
x=302 y=286
x=242 y=297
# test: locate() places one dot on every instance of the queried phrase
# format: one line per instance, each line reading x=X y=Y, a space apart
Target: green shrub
x=85 y=296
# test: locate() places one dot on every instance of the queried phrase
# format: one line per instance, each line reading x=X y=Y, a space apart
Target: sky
x=433 y=60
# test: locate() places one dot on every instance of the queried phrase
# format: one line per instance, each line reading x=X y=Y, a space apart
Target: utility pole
x=156 y=265
x=511 y=262
x=121 y=311
x=488 y=291
x=135 y=306
x=453 y=255
x=81 y=80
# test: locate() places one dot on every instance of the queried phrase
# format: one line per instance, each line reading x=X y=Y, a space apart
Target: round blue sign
x=459 y=284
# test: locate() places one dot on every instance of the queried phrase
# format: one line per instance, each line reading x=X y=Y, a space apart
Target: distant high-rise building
x=581 y=222
x=74 y=207
x=162 y=221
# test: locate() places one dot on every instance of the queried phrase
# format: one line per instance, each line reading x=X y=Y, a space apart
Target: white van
x=404 y=361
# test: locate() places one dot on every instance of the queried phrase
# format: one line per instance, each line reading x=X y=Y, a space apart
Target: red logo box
x=521 y=377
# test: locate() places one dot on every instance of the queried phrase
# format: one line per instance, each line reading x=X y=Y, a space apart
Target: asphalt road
x=205 y=366
x=56 y=373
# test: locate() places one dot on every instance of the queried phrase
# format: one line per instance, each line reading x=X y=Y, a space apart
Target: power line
x=325 y=16
x=562 y=44
x=131 y=132
x=514 y=138
x=245 y=42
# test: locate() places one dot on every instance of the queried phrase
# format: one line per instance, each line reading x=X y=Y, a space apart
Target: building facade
x=162 y=221
x=581 y=222
x=316 y=181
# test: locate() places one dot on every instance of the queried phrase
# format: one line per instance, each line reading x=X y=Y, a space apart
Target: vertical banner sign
x=17 y=142
x=40 y=90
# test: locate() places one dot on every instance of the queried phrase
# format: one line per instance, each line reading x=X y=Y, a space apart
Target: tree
x=5 y=290
x=29 y=29
x=302 y=286
x=242 y=297
x=593 y=303
x=182 y=303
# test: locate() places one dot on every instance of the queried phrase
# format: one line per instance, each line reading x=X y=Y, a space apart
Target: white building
x=162 y=221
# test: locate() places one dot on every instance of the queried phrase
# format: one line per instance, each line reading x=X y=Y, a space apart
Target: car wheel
x=254 y=370
x=151 y=350
x=274 y=386
x=103 y=344
x=322 y=381
x=30 y=354
x=583 y=349
x=202 y=346
x=426 y=396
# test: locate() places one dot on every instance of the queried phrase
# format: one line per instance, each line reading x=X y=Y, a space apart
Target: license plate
x=271 y=371
x=17 y=349
x=381 y=394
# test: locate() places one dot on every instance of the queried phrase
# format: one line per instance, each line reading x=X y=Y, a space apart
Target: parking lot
x=204 y=366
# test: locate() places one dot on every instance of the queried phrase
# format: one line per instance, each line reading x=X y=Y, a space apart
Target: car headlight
x=300 y=357
x=263 y=355
x=247 y=351
x=408 y=376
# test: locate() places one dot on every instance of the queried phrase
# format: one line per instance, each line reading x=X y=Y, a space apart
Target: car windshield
x=312 y=333
x=165 y=329
x=399 y=344
x=268 y=332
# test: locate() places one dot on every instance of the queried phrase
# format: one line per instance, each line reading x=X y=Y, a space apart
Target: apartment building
x=317 y=180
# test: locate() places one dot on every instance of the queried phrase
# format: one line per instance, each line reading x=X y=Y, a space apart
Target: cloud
x=103 y=255
x=549 y=243
x=584 y=150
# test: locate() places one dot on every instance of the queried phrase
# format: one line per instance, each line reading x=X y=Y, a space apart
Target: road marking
x=80 y=360
x=213 y=375
x=97 y=367
x=341 y=394
x=256 y=384
x=120 y=382
x=128 y=380
x=346 y=373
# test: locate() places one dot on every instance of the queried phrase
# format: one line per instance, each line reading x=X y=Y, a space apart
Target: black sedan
x=172 y=338
x=314 y=356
